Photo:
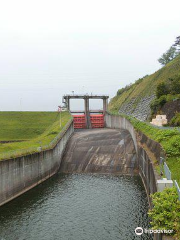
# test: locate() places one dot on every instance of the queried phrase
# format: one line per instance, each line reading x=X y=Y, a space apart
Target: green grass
x=170 y=142
x=24 y=125
x=32 y=129
x=147 y=86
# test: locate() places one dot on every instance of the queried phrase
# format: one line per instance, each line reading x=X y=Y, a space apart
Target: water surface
x=77 y=207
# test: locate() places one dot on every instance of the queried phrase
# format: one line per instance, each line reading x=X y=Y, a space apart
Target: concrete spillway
x=100 y=150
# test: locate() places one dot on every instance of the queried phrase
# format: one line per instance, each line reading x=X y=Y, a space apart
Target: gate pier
x=91 y=121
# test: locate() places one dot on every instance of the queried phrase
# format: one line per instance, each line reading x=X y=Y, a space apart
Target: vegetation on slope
x=175 y=121
x=168 y=91
x=24 y=132
x=166 y=211
x=145 y=86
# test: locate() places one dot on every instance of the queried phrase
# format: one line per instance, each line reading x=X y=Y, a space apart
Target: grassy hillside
x=26 y=131
x=146 y=86
x=24 y=125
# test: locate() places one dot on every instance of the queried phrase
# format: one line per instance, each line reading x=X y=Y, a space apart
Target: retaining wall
x=152 y=145
x=20 y=174
x=146 y=170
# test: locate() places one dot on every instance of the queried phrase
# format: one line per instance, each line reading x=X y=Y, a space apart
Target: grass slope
x=169 y=140
x=32 y=129
x=147 y=86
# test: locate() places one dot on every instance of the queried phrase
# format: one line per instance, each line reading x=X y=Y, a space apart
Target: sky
x=49 y=48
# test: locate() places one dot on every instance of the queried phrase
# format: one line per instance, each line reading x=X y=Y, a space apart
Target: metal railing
x=168 y=175
x=178 y=188
x=167 y=171
x=86 y=94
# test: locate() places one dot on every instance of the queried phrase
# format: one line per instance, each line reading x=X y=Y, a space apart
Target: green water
x=77 y=207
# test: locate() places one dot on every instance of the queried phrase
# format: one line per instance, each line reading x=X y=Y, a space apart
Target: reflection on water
x=77 y=207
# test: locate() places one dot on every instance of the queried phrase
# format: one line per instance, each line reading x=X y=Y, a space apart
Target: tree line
x=171 y=53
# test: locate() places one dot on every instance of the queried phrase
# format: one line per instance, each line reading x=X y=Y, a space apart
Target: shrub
x=162 y=89
x=165 y=92
x=174 y=85
x=157 y=104
x=166 y=211
x=120 y=91
x=175 y=121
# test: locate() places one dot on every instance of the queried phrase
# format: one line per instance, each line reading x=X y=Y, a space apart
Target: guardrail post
x=167 y=171
x=178 y=188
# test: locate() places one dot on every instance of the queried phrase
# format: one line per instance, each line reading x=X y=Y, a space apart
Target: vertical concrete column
x=68 y=103
x=86 y=106
x=105 y=103
x=104 y=109
x=86 y=111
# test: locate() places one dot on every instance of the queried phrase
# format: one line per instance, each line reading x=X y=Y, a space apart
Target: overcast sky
x=53 y=47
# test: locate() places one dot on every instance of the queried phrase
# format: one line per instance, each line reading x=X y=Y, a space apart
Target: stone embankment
x=139 y=109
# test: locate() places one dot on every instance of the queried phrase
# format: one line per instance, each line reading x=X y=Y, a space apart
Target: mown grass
x=24 y=125
x=32 y=129
x=147 y=86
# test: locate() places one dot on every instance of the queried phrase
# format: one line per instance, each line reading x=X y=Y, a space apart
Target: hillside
x=26 y=131
x=135 y=100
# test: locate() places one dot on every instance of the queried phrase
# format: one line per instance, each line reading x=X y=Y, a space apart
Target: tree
x=168 y=56
x=177 y=43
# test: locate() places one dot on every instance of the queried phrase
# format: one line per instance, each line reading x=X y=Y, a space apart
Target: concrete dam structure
x=87 y=119
x=100 y=151
x=114 y=149
x=116 y=157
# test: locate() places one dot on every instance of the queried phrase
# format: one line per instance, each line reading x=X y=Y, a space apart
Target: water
x=77 y=207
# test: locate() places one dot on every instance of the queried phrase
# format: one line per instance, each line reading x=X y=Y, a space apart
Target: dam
x=100 y=151
x=96 y=194
x=95 y=184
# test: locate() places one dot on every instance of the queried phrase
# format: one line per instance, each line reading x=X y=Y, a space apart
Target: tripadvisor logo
x=139 y=231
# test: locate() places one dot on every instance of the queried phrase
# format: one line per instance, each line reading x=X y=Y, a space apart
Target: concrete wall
x=146 y=170
x=152 y=145
x=20 y=174
x=119 y=122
